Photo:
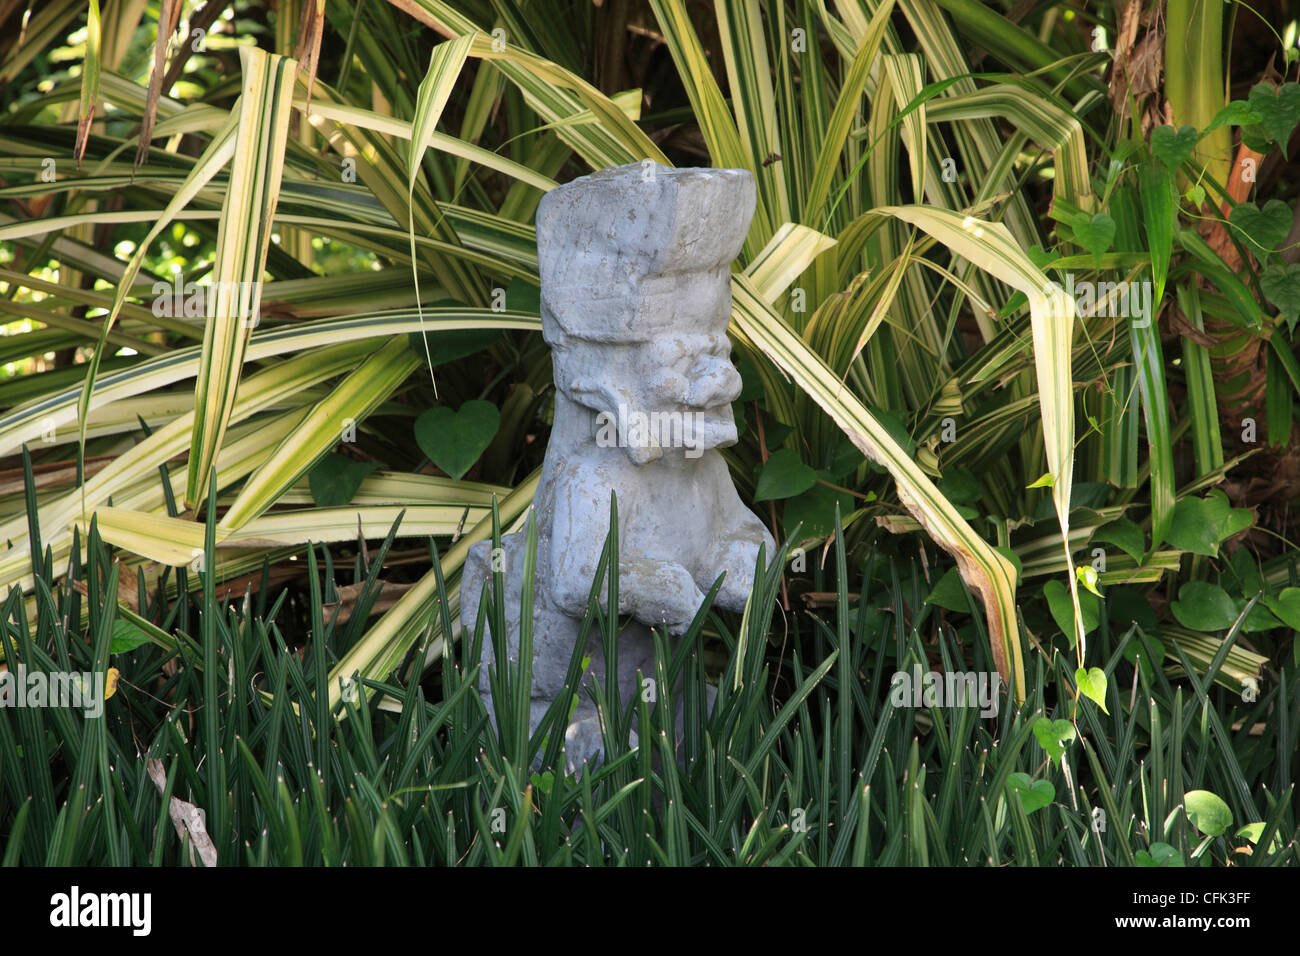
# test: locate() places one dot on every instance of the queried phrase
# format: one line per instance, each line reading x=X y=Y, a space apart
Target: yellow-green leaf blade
x=243 y=237
x=355 y=397
x=987 y=573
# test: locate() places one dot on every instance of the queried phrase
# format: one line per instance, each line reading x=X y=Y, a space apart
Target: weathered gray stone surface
x=636 y=297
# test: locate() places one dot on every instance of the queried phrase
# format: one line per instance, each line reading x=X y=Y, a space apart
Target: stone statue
x=635 y=301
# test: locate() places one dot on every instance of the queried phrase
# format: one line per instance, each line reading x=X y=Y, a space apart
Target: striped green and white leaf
x=445 y=64
x=61 y=408
x=176 y=542
x=556 y=94
x=243 y=238
x=716 y=123
x=789 y=252
x=991 y=247
x=753 y=103
x=1049 y=123
x=986 y=572
x=391 y=126
x=140 y=463
x=350 y=402
x=405 y=488
x=213 y=159
x=831 y=151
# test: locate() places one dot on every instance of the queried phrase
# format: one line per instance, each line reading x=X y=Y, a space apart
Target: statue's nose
x=714 y=381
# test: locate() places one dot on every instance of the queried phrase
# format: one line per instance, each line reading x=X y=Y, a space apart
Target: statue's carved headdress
x=610 y=243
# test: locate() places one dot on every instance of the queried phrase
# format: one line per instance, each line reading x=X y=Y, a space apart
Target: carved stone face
x=671 y=396
x=635 y=304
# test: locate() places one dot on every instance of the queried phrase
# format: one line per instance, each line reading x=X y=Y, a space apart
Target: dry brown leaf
x=186 y=817
x=169 y=17
x=128 y=588
x=1135 y=74
x=202 y=20
x=351 y=593
x=1145 y=64
x=307 y=53
x=1178 y=322
x=50 y=475
x=1128 y=29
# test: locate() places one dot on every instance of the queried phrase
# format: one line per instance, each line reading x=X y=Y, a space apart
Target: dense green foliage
x=1020 y=296
x=811 y=763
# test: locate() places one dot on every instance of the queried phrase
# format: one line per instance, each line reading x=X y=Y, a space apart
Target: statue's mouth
x=650 y=435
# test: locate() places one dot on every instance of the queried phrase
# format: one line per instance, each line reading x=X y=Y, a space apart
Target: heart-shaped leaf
x=893 y=423
x=784 y=476
x=1255 y=138
x=1199 y=525
x=1281 y=283
x=1053 y=735
x=845 y=460
x=1236 y=113
x=335 y=479
x=1259 y=618
x=775 y=432
x=455 y=440
x=960 y=486
x=1203 y=606
x=1087 y=576
x=1286 y=606
x=1278 y=108
x=126 y=637
x=1247 y=574
x=1095 y=233
x=1125 y=535
x=1173 y=147
x=1092 y=684
x=1263 y=229
x=1253 y=831
x=1235 y=521
x=949 y=593
x=1033 y=794
x=1062 y=608
x=1208 y=812
x=1162 y=854
x=751 y=381
x=815 y=511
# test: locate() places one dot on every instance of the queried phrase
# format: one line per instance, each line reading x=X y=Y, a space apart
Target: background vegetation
x=244 y=518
